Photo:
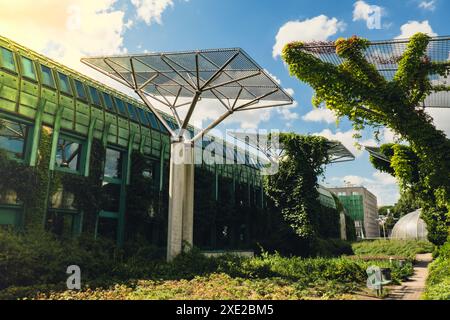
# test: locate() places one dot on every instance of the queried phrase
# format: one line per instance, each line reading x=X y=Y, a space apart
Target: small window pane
x=28 y=68
x=80 y=91
x=47 y=76
x=120 y=106
x=132 y=112
x=108 y=102
x=68 y=154
x=8 y=59
x=12 y=138
x=94 y=96
x=64 y=84
x=153 y=120
x=142 y=117
x=111 y=192
x=113 y=164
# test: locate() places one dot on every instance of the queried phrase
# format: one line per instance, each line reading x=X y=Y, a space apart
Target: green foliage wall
x=356 y=90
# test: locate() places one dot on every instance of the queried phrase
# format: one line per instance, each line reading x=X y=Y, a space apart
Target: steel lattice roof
x=182 y=73
x=385 y=55
x=337 y=151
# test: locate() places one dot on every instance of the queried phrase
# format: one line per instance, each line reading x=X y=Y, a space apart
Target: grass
x=400 y=249
x=259 y=278
x=438 y=282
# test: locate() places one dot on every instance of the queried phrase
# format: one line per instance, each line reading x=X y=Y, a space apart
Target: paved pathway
x=414 y=287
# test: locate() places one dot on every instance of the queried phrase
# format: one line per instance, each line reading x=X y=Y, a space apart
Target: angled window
x=13 y=136
x=113 y=164
x=121 y=107
x=64 y=84
x=47 y=76
x=7 y=59
x=108 y=102
x=94 y=96
x=80 y=90
x=153 y=120
x=132 y=112
x=68 y=154
x=142 y=117
x=28 y=68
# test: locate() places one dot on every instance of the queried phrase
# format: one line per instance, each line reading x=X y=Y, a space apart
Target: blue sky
x=118 y=26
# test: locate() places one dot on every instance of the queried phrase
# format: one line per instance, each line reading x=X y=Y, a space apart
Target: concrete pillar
x=181 y=198
x=188 y=205
x=176 y=199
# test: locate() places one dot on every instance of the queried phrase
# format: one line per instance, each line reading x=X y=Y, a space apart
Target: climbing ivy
x=356 y=90
x=293 y=189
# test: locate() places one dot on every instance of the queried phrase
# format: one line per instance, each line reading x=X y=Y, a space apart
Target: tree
x=355 y=89
x=293 y=189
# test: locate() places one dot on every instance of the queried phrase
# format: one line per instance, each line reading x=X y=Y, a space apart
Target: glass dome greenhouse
x=410 y=226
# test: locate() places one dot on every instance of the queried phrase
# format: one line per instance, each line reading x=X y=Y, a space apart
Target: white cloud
x=317 y=28
x=320 y=115
x=428 y=5
x=412 y=27
x=151 y=10
x=66 y=30
x=383 y=185
x=371 y=14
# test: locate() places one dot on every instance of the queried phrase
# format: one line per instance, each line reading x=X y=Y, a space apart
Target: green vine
x=355 y=89
x=294 y=188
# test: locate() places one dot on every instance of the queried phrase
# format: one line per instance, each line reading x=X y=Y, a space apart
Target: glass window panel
x=64 y=84
x=12 y=138
x=111 y=192
x=142 y=117
x=153 y=120
x=47 y=76
x=28 y=68
x=8 y=59
x=120 y=106
x=68 y=154
x=94 y=96
x=81 y=92
x=113 y=164
x=132 y=112
x=108 y=102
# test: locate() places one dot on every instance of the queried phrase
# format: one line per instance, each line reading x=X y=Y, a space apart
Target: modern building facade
x=77 y=156
x=361 y=205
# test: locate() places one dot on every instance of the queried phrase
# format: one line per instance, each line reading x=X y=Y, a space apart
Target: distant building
x=361 y=206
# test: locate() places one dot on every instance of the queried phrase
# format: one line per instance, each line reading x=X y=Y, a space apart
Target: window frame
x=113 y=107
x=42 y=76
x=133 y=116
x=2 y=59
x=77 y=93
x=82 y=154
x=125 y=109
x=60 y=81
x=22 y=69
x=26 y=141
x=123 y=155
x=91 y=99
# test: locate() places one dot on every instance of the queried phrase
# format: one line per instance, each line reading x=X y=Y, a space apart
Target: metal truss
x=229 y=76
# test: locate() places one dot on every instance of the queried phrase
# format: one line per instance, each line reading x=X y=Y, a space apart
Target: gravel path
x=415 y=286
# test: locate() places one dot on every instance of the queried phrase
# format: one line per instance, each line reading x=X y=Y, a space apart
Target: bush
x=400 y=248
x=332 y=247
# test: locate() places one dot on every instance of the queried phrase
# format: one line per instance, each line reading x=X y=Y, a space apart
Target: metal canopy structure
x=273 y=151
x=375 y=152
x=385 y=55
x=229 y=76
x=180 y=79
